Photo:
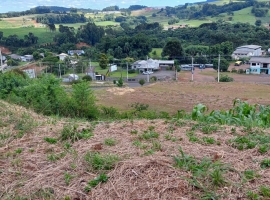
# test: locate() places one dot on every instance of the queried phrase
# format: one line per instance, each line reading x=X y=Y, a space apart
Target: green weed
x=265 y=163
x=68 y=178
x=250 y=174
x=265 y=191
x=110 y=142
x=149 y=135
x=208 y=129
x=50 y=140
x=253 y=196
x=217 y=177
x=263 y=148
x=206 y=174
x=149 y=152
x=209 y=140
x=102 y=178
x=99 y=161
x=134 y=132
x=137 y=143
x=73 y=134
x=18 y=151
x=156 y=146
x=54 y=157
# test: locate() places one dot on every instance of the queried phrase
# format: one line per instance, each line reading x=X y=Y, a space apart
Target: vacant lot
x=183 y=94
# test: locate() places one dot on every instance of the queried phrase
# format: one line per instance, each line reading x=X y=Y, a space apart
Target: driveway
x=161 y=75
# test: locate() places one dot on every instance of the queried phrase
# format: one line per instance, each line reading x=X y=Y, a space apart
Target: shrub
x=87 y=78
x=83 y=101
x=240 y=71
x=141 y=82
x=75 y=81
x=120 y=82
x=132 y=71
x=153 y=79
x=225 y=78
x=233 y=70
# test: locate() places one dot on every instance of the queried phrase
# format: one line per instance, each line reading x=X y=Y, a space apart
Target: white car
x=147 y=72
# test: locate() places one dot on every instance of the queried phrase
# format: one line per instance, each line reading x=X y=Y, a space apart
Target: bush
x=141 y=82
x=153 y=79
x=75 y=81
x=225 y=78
x=120 y=82
x=87 y=78
x=132 y=71
x=240 y=71
x=233 y=70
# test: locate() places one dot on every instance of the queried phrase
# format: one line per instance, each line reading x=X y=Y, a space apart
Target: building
x=259 y=65
x=151 y=65
x=62 y=56
x=78 y=52
x=247 y=51
x=27 y=58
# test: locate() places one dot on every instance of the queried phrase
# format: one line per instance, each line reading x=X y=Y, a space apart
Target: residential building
x=27 y=58
x=78 y=52
x=62 y=56
x=247 y=51
x=259 y=65
x=151 y=65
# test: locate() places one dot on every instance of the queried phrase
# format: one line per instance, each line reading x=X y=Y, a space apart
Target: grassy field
x=43 y=34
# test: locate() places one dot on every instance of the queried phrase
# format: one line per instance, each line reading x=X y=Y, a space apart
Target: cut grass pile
x=53 y=158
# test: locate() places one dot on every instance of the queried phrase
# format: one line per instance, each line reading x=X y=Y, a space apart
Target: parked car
x=147 y=72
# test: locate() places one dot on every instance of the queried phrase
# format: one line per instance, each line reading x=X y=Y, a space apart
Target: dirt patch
x=143 y=178
x=5 y=50
x=82 y=44
x=120 y=91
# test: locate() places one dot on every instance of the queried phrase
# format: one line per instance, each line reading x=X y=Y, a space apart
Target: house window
x=253 y=64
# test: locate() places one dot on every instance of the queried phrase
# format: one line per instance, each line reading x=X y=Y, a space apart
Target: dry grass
x=173 y=96
x=143 y=172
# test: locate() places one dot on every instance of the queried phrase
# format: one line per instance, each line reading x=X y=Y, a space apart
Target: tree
x=173 y=49
x=103 y=61
x=258 y=22
x=36 y=55
x=224 y=64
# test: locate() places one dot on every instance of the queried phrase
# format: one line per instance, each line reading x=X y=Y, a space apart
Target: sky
x=22 y=5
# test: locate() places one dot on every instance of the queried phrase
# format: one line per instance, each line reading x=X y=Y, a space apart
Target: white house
x=247 y=51
x=62 y=56
x=259 y=65
x=78 y=52
x=150 y=64
x=27 y=58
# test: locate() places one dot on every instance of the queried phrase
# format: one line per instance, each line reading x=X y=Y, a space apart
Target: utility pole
x=59 y=70
x=1 y=58
x=127 y=72
x=192 y=70
x=218 y=66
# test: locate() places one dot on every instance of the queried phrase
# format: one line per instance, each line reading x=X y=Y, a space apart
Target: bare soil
x=5 y=50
